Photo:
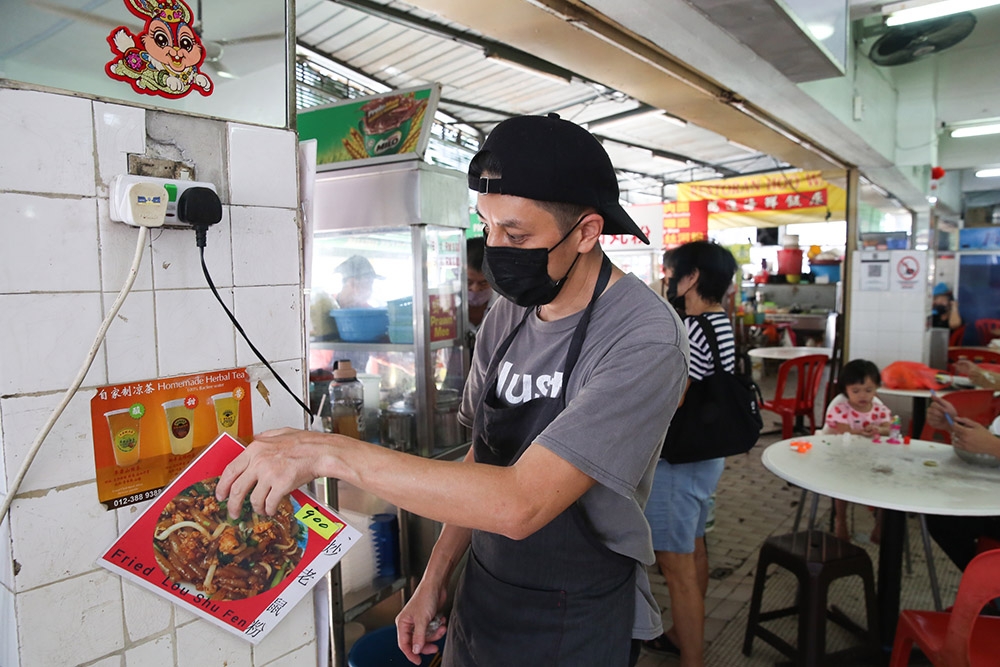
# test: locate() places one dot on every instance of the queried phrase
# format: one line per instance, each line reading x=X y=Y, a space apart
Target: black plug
x=201 y=208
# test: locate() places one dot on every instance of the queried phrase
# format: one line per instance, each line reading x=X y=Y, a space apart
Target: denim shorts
x=678 y=503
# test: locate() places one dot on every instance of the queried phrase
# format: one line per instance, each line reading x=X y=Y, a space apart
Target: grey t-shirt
x=626 y=385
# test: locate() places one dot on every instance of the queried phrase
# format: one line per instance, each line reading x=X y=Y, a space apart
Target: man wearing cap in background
x=358 y=280
x=575 y=377
x=945 y=308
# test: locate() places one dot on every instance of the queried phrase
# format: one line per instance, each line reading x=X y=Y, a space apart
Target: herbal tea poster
x=146 y=433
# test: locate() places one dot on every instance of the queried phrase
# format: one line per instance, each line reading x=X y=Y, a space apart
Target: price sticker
x=317 y=522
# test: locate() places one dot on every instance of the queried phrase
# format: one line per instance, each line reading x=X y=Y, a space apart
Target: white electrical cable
x=126 y=288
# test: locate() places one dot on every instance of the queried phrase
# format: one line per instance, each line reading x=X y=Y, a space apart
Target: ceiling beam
x=576 y=38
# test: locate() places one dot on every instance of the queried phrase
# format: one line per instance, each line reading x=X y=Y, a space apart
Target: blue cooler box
x=831 y=271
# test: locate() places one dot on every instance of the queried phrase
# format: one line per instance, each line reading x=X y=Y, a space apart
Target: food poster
x=444 y=317
x=146 y=433
x=379 y=128
x=244 y=575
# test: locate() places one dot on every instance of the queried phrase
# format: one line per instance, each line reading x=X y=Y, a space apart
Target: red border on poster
x=132 y=555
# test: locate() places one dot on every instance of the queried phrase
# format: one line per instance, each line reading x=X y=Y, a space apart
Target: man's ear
x=591 y=228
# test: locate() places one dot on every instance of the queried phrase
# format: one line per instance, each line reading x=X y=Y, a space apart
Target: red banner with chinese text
x=684 y=222
x=767 y=200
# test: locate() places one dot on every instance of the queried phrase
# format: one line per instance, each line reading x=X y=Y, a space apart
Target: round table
x=923 y=477
x=786 y=353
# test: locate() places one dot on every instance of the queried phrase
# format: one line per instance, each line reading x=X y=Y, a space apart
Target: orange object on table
x=801 y=446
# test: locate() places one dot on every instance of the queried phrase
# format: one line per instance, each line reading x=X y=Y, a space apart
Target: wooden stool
x=816 y=558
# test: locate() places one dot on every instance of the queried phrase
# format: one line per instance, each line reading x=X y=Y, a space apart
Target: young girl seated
x=858 y=411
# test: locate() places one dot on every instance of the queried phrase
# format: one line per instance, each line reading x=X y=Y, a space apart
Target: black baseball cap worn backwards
x=546 y=158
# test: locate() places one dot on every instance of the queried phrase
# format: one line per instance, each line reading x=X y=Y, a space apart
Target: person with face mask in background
x=481 y=294
x=575 y=377
x=698 y=275
x=660 y=284
x=945 y=309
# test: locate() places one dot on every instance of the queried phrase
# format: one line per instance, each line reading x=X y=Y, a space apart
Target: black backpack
x=720 y=415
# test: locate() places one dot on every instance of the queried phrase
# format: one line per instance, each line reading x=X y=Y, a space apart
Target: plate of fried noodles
x=197 y=544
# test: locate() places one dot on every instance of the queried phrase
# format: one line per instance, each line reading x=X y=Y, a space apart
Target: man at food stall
x=576 y=375
x=481 y=294
x=945 y=308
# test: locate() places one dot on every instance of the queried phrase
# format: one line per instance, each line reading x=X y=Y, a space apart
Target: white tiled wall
x=62 y=262
x=890 y=325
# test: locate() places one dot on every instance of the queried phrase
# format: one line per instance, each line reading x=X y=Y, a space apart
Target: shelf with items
x=388 y=250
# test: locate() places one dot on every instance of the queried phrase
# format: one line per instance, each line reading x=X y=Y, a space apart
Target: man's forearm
x=512 y=501
x=448 y=550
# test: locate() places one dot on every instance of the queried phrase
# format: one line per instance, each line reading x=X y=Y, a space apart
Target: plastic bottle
x=762 y=275
x=347 y=398
x=895 y=431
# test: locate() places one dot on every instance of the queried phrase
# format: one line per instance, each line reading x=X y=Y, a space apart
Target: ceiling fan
x=214 y=48
x=903 y=44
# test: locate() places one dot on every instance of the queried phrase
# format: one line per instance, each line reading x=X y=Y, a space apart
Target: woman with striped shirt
x=698 y=275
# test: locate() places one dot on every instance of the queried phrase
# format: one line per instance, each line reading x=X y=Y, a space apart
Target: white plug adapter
x=143 y=204
x=122 y=183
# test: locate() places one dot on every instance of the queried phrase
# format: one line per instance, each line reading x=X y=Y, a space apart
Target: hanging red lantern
x=937 y=173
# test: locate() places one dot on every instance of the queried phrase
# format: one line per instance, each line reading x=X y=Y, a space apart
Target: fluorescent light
x=821 y=31
x=910 y=12
x=673 y=120
x=741 y=146
x=976 y=130
x=525 y=68
x=988 y=173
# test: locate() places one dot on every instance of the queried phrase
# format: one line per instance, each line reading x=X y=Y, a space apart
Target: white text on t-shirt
x=515 y=388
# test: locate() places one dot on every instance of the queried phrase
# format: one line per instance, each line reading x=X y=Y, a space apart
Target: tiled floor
x=752 y=504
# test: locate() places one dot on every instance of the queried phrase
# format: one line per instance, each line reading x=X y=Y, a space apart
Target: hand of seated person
x=936 y=413
x=974 y=437
x=869 y=431
x=965 y=367
x=976 y=375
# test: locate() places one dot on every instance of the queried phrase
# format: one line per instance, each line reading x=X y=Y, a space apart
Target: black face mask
x=522 y=274
x=676 y=301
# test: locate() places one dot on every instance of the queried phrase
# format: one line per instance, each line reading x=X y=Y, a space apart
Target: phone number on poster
x=135 y=498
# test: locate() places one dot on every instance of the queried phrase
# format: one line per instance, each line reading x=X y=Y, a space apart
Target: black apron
x=558 y=597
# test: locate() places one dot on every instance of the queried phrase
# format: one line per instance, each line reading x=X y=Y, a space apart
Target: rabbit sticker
x=164 y=59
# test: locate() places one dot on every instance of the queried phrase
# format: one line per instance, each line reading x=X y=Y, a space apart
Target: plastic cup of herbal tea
x=124 y=436
x=180 y=426
x=227 y=413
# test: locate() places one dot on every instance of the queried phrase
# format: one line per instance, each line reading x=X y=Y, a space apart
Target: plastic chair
x=985 y=329
x=809 y=371
x=956 y=336
x=816 y=559
x=977 y=404
x=975 y=355
x=960 y=637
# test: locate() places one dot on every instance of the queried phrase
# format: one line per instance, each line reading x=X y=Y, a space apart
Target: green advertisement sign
x=379 y=128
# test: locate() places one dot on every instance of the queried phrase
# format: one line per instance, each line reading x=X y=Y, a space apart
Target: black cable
x=232 y=318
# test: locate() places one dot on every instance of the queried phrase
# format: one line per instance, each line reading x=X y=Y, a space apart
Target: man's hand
x=414 y=634
x=275 y=464
x=974 y=437
x=936 y=412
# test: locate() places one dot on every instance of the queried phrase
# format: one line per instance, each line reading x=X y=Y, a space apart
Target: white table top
x=785 y=353
x=924 y=477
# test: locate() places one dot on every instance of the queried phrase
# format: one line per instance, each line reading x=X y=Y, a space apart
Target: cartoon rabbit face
x=176 y=50
x=165 y=58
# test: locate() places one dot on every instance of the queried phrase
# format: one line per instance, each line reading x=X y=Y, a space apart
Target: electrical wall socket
x=119 y=191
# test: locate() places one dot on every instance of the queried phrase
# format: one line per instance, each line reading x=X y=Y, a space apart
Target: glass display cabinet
x=387 y=293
